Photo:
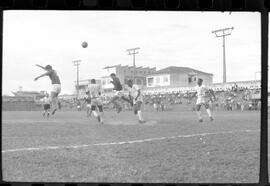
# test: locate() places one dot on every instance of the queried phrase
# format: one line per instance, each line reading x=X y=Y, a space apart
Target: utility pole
x=223 y=33
x=132 y=51
x=77 y=63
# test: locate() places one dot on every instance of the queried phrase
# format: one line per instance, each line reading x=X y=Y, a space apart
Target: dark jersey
x=54 y=77
x=88 y=100
x=117 y=84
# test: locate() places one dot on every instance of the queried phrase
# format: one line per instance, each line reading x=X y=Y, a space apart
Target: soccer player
x=78 y=105
x=96 y=102
x=88 y=104
x=56 y=84
x=136 y=96
x=46 y=105
x=201 y=93
x=118 y=93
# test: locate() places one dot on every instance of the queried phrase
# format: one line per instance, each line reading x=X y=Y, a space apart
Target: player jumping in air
x=118 y=93
x=136 y=96
x=96 y=103
x=56 y=85
x=201 y=91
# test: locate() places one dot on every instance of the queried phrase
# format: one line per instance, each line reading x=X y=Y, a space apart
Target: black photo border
x=261 y=6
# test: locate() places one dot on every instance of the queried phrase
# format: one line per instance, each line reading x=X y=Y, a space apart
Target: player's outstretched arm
x=41 y=67
x=42 y=75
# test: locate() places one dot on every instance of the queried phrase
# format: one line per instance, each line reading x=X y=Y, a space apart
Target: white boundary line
x=123 y=142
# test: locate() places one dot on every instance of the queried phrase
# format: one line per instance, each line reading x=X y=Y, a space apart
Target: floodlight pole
x=223 y=35
x=77 y=63
x=132 y=51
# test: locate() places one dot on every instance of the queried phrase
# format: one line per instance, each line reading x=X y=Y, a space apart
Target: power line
x=223 y=33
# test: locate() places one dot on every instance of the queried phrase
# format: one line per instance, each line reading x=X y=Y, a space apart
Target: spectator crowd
x=226 y=99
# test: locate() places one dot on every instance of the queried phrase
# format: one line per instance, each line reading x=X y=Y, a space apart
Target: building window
x=139 y=82
x=157 y=80
x=189 y=80
x=165 y=79
x=126 y=81
x=103 y=82
x=194 y=78
x=150 y=81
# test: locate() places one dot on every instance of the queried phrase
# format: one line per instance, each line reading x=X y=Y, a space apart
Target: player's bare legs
x=209 y=112
x=116 y=102
x=97 y=112
x=138 y=112
x=54 y=100
x=100 y=113
x=198 y=112
x=88 y=111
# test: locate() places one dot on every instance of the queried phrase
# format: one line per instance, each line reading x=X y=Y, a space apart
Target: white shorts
x=96 y=101
x=200 y=101
x=118 y=93
x=88 y=106
x=56 y=88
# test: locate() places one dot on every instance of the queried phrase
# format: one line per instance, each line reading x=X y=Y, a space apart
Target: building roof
x=126 y=66
x=174 y=69
x=26 y=93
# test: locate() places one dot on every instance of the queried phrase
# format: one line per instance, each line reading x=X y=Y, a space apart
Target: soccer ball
x=84 y=44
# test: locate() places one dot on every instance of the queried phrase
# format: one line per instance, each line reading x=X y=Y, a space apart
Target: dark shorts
x=137 y=107
x=100 y=108
x=47 y=106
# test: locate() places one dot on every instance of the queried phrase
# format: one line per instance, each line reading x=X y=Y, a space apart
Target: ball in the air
x=84 y=44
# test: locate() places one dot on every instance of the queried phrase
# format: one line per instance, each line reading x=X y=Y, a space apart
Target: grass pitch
x=171 y=146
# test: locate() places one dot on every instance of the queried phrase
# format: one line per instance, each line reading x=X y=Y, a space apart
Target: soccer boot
x=142 y=121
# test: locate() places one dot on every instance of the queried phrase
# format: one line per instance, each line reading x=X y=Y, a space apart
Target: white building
x=177 y=77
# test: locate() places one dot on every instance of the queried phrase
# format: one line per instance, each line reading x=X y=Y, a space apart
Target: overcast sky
x=165 y=38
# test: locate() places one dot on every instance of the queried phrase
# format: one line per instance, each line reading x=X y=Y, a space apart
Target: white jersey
x=201 y=92
x=46 y=100
x=95 y=90
x=134 y=91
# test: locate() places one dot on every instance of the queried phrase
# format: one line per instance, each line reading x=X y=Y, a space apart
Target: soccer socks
x=199 y=115
x=95 y=113
x=140 y=115
x=209 y=112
